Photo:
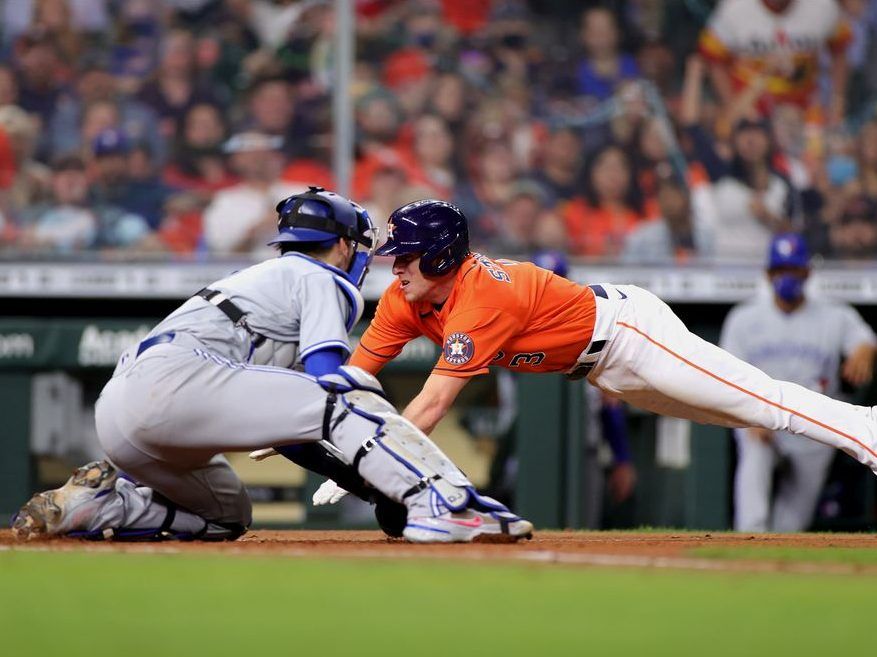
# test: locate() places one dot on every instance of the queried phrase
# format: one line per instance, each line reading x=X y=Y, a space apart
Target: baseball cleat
x=68 y=508
x=468 y=526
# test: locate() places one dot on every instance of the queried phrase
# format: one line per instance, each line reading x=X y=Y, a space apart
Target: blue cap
x=788 y=250
x=110 y=142
x=553 y=261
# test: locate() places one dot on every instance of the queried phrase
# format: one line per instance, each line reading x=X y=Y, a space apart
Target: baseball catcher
x=221 y=374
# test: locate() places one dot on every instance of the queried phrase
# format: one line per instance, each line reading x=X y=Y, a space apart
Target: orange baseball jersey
x=500 y=312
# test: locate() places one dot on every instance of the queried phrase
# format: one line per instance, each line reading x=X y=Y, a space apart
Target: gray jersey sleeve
x=733 y=333
x=325 y=312
x=855 y=331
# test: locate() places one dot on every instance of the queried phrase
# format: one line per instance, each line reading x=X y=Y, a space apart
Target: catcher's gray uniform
x=201 y=386
x=804 y=347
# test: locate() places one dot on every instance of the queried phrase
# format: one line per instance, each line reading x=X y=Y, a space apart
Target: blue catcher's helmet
x=318 y=216
x=553 y=261
x=435 y=230
x=788 y=250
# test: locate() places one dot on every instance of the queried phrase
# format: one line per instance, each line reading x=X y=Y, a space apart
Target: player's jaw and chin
x=415 y=286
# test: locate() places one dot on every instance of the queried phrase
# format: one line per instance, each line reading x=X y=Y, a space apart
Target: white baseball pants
x=651 y=360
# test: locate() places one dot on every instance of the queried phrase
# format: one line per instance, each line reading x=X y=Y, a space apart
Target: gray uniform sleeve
x=855 y=331
x=732 y=334
x=324 y=313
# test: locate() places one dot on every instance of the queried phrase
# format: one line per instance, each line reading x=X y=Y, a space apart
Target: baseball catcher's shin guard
x=316 y=458
x=399 y=460
x=392 y=455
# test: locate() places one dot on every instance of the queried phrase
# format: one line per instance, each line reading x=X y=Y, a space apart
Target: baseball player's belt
x=588 y=360
x=231 y=310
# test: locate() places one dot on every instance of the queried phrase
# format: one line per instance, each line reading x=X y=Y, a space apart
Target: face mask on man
x=788 y=287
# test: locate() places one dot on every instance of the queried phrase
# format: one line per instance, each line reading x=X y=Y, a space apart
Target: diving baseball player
x=625 y=340
x=219 y=375
x=797 y=339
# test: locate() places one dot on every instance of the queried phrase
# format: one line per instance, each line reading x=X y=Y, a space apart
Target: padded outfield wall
x=64 y=325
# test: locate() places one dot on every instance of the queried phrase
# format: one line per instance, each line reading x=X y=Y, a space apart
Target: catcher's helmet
x=317 y=216
x=435 y=230
x=788 y=250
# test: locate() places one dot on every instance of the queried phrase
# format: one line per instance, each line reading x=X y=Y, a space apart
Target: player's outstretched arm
x=433 y=401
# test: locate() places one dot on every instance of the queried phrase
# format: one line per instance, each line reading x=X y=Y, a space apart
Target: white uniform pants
x=653 y=361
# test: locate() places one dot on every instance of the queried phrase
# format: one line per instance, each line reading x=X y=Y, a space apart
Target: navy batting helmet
x=435 y=230
x=317 y=216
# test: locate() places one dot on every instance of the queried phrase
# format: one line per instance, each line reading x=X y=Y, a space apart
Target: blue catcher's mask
x=789 y=287
x=363 y=255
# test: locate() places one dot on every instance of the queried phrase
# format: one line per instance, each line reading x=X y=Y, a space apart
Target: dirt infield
x=619 y=549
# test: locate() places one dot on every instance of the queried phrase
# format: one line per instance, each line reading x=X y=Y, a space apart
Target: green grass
x=846 y=556
x=134 y=604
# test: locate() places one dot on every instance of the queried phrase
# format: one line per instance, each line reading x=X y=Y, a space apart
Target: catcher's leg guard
x=403 y=463
x=317 y=458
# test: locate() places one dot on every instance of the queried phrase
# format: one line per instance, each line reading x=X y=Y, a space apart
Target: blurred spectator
x=433 y=154
x=599 y=223
x=754 y=202
x=271 y=20
x=8 y=87
x=604 y=66
x=390 y=187
x=30 y=181
x=39 y=81
x=73 y=221
x=521 y=218
x=271 y=110
x=681 y=233
x=854 y=235
x=451 y=98
x=510 y=41
x=198 y=163
x=484 y=195
x=65 y=222
x=19 y=16
x=378 y=119
x=409 y=74
x=174 y=90
x=242 y=218
x=147 y=193
x=560 y=166
x=95 y=103
x=114 y=185
x=780 y=40
x=54 y=18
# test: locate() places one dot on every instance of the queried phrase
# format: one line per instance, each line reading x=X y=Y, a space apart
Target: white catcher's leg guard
x=398 y=459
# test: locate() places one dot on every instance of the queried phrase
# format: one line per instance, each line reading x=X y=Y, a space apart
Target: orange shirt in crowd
x=501 y=313
x=597 y=231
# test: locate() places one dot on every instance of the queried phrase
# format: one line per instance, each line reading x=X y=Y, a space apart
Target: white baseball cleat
x=485 y=519
x=68 y=508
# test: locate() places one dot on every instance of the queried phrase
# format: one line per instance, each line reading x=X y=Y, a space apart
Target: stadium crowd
x=650 y=131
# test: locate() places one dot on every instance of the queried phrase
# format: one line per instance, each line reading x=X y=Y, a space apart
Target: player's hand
x=858 y=368
x=622 y=481
x=761 y=435
x=328 y=493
